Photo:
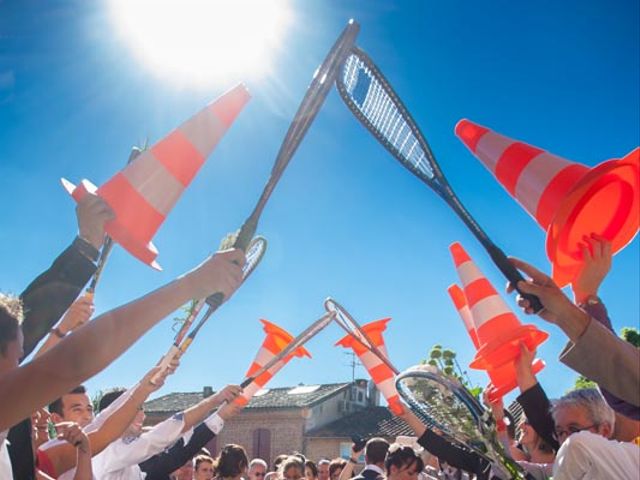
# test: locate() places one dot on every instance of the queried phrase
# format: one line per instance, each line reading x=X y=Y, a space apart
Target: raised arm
x=90 y=349
x=53 y=291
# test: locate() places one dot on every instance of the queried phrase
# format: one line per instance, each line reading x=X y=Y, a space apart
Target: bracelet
x=351 y=460
x=501 y=426
x=58 y=333
x=590 y=300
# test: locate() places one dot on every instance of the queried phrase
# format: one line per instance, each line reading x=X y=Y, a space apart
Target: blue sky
x=346 y=219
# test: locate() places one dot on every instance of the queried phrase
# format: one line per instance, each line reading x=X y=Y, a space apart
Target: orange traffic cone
x=568 y=200
x=498 y=329
x=503 y=378
x=380 y=372
x=143 y=194
x=276 y=340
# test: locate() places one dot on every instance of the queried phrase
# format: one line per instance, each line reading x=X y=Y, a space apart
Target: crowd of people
x=49 y=428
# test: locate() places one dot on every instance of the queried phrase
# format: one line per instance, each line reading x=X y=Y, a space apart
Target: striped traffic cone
x=498 y=330
x=143 y=194
x=503 y=378
x=276 y=340
x=381 y=374
x=567 y=199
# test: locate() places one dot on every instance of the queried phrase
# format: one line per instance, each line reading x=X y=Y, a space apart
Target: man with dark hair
x=375 y=453
x=121 y=458
x=75 y=406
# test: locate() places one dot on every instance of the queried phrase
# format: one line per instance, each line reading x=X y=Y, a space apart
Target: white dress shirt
x=588 y=456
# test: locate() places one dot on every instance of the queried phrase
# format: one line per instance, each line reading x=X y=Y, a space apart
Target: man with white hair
x=257 y=469
x=584 y=424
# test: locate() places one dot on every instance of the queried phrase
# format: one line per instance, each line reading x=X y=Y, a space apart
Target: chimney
x=207 y=391
x=374 y=394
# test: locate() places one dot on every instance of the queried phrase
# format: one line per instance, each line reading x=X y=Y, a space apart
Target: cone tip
x=457 y=296
x=470 y=133
x=459 y=254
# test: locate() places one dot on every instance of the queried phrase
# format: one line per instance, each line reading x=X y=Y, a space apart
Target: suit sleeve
x=599 y=312
x=455 y=455
x=161 y=465
x=47 y=298
x=537 y=408
x=616 y=368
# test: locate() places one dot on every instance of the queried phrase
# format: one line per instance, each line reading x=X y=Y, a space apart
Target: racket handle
x=215 y=300
x=166 y=361
x=514 y=276
x=247 y=381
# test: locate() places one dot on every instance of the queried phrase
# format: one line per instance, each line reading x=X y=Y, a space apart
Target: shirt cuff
x=215 y=423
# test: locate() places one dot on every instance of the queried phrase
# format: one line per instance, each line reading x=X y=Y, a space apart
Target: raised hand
x=92 y=213
x=596 y=263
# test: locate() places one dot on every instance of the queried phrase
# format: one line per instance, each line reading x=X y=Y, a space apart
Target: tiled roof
x=273 y=398
x=366 y=423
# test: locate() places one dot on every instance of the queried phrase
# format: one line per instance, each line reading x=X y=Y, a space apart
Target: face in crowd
x=257 y=471
x=75 y=406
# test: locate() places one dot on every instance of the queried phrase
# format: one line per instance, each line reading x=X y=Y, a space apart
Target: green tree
x=446 y=361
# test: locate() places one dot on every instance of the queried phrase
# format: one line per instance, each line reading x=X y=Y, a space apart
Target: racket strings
x=370 y=95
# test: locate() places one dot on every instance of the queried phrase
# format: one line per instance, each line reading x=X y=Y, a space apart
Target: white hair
x=592 y=401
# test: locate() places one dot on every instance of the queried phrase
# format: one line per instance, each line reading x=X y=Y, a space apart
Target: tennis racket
x=310 y=332
x=107 y=245
x=353 y=328
x=309 y=107
x=373 y=101
x=449 y=409
x=182 y=341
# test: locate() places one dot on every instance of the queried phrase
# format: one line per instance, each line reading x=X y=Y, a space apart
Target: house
x=317 y=420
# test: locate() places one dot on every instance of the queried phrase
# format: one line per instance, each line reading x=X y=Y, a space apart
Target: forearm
x=347 y=471
x=574 y=323
x=51 y=293
x=197 y=413
x=83 y=465
x=87 y=352
x=51 y=341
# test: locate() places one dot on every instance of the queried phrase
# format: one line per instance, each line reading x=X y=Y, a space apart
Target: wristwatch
x=591 y=300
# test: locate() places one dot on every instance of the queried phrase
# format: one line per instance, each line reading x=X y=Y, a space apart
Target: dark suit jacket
x=368 y=474
x=45 y=300
x=161 y=465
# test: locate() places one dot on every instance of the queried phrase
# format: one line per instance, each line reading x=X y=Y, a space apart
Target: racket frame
x=441 y=186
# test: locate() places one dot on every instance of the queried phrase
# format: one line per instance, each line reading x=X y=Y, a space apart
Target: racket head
x=349 y=324
x=255 y=252
x=446 y=406
x=310 y=105
x=371 y=98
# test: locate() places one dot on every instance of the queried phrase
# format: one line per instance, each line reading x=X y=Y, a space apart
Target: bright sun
x=203 y=40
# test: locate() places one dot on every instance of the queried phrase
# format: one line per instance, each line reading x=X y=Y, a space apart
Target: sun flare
x=203 y=40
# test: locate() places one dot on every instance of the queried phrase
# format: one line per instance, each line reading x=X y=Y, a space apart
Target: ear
x=605 y=430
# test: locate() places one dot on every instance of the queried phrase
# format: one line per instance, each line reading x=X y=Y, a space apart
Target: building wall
x=341 y=404
x=317 y=448
x=286 y=429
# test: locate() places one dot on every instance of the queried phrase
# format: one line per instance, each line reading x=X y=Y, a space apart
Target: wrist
x=501 y=425
x=574 y=323
x=353 y=460
x=58 y=332
x=86 y=248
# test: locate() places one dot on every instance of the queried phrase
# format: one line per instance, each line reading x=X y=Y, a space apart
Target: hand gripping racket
x=353 y=328
x=182 y=341
x=107 y=245
x=314 y=98
x=373 y=101
x=454 y=413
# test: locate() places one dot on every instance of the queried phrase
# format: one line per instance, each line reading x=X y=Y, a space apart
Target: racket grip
x=514 y=276
x=166 y=361
x=247 y=381
x=215 y=300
